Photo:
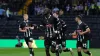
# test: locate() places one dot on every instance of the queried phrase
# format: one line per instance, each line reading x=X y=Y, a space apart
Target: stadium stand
x=14 y=5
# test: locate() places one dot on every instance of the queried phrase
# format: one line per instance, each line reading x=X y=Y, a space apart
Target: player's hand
x=26 y=27
x=70 y=34
x=81 y=33
x=49 y=25
x=32 y=28
x=55 y=15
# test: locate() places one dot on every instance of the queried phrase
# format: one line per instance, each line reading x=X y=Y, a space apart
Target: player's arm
x=22 y=28
x=31 y=26
x=64 y=26
x=74 y=33
x=87 y=30
x=42 y=26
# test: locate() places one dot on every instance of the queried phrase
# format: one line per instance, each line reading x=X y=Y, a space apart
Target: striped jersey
x=26 y=24
x=81 y=28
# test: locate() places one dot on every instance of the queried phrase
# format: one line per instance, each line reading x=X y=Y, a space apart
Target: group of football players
x=55 y=33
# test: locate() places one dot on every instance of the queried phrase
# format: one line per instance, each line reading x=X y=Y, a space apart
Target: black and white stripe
x=28 y=32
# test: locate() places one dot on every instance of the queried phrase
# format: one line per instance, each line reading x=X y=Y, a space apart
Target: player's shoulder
x=62 y=21
x=21 y=23
x=52 y=17
x=29 y=21
x=83 y=23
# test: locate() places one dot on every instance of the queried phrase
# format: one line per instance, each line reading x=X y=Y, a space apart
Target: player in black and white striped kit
x=82 y=33
x=63 y=37
x=47 y=22
x=60 y=29
x=26 y=27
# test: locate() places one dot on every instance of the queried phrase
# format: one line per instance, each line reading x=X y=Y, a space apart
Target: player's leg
x=79 y=48
x=66 y=49
x=47 y=46
x=53 y=46
x=29 y=42
x=57 y=50
x=31 y=49
x=53 y=49
x=58 y=47
x=85 y=50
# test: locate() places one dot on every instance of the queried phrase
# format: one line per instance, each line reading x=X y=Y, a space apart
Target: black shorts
x=82 y=44
x=47 y=42
x=50 y=43
x=62 y=42
x=28 y=39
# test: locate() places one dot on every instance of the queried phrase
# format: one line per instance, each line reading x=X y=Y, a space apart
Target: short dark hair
x=46 y=11
x=80 y=17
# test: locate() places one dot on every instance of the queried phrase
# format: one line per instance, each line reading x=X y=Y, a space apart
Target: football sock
x=79 y=54
x=47 y=52
x=88 y=52
x=31 y=51
x=66 y=50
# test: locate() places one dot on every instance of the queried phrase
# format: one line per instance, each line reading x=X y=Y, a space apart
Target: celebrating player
x=63 y=37
x=48 y=24
x=26 y=27
x=82 y=33
x=61 y=29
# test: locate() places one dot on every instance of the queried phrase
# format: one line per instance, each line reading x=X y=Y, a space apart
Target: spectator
x=39 y=10
x=80 y=9
x=68 y=9
x=86 y=9
x=98 y=4
x=55 y=3
x=7 y=13
x=4 y=5
x=1 y=13
x=92 y=9
x=0 y=3
x=75 y=9
x=36 y=8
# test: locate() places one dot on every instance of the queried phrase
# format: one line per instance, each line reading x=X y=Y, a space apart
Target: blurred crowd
x=10 y=7
x=69 y=7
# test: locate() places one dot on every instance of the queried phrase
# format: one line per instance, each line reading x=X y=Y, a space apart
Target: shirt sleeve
x=86 y=26
x=31 y=24
x=21 y=25
x=64 y=26
x=43 y=21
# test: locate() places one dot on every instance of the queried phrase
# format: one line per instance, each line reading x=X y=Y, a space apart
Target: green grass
x=38 y=52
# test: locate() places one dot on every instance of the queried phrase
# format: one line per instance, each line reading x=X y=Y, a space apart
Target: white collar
x=48 y=17
x=26 y=21
x=79 y=22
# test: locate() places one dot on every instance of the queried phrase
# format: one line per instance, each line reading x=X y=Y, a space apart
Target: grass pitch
x=39 y=52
